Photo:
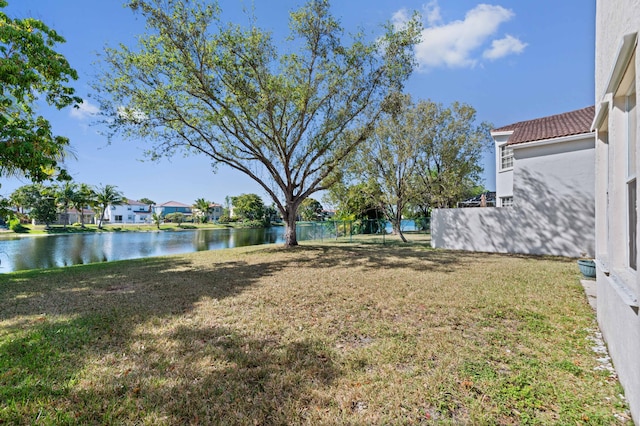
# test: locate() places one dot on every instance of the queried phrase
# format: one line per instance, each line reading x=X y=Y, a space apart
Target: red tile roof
x=555 y=126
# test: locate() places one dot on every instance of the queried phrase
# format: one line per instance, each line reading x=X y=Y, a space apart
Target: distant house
x=545 y=176
x=131 y=211
x=173 y=207
x=212 y=215
x=215 y=211
x=88 y=216
x=617 y=165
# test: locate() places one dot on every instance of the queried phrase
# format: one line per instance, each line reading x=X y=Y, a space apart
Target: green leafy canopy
x=31 y=69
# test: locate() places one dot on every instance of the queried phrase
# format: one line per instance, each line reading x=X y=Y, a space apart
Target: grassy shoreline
x=36 y=230
x=326 y=333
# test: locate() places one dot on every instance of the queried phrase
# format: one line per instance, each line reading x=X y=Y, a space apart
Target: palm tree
x=157 y=219
x=107 y=196
x=83 y=197
x=65 y=194
x=204 y=207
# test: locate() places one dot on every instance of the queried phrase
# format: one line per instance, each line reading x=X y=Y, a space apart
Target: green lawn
x=327 y=333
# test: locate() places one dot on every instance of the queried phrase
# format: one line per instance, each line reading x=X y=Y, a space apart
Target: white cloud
x=455 y=44
x=400 y=18
x=431 y=11
x=504 y=47
x=86 y=109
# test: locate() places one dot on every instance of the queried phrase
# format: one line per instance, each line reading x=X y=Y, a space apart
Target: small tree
x=387 y=162
x=41 y=202
x=176 y=217
x=202 y=209
x=248 y=207
x=310 y=209
x=354 y=202
x=157 y=219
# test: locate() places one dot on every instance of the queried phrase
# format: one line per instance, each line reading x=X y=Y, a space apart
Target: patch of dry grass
x=327 y=333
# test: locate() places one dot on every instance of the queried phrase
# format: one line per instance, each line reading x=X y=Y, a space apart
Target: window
x=506 y=157
x=118 y=218
x=632 y=214
x=506 y=201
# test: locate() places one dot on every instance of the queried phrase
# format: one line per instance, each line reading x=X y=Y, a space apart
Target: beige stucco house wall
x=617 y=163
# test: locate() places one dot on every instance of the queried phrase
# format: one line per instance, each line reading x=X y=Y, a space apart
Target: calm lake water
x=64 y=250
x=38 y=252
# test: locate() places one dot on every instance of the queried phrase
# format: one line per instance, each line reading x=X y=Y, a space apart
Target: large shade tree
x=31 y=70
x=287 y=120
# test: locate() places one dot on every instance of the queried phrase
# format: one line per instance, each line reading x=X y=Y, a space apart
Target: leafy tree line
x=43 y=203
x=423 y=155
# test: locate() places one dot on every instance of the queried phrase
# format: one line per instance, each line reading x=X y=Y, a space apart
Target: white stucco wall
x=614 y=19
x=617 y=284
x=553 y=213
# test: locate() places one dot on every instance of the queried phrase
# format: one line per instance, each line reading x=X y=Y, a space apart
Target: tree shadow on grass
x=91 y=344
x=65 y=321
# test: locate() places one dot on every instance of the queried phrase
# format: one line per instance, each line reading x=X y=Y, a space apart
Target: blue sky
x=512 y=60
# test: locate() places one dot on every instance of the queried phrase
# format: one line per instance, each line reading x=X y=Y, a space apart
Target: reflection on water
x=65 y=250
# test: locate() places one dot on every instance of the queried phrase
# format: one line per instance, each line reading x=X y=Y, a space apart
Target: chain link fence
x=349 y=229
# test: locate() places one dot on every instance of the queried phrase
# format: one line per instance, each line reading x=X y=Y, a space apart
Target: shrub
x=252 y=224
x=16 y=226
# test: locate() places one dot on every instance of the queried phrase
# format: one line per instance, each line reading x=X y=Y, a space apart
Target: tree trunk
x=397 y=230
x=101 y=218
x=290 y=238
x=397 y=225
